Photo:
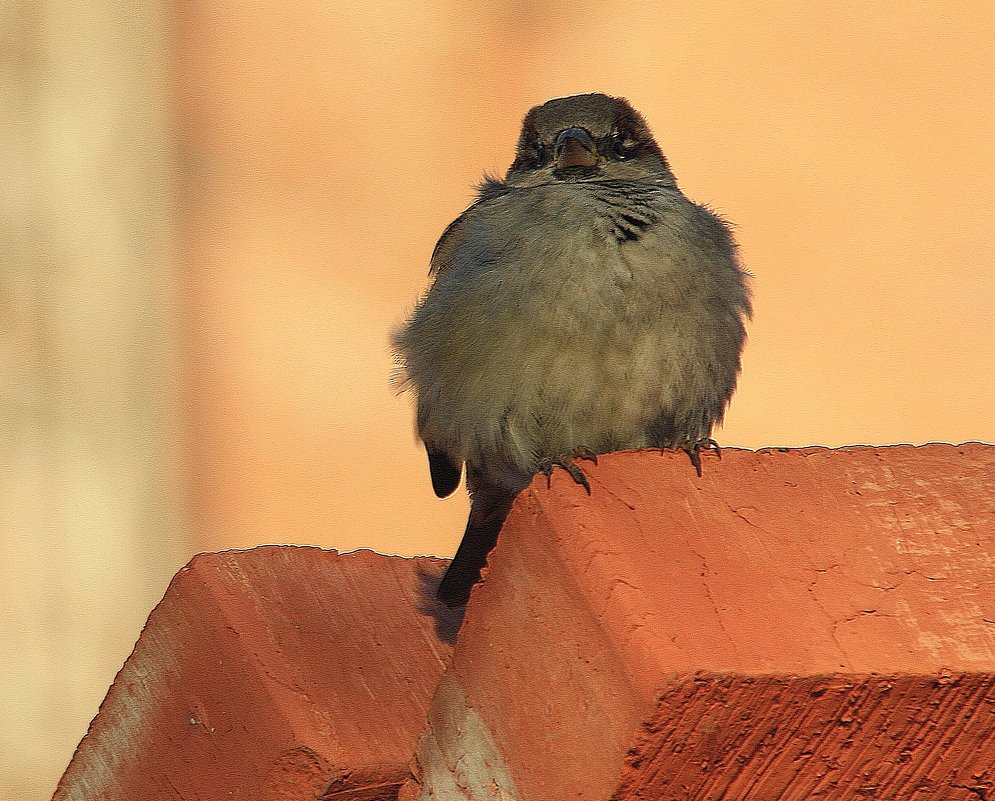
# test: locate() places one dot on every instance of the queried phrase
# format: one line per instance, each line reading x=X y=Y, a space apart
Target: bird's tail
x=488 y=509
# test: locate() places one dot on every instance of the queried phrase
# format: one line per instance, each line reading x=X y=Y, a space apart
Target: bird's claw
x=566 y=461
x=694 y=449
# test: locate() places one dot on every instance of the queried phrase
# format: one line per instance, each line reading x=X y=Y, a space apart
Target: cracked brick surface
x=794 y=624
x=274 y=673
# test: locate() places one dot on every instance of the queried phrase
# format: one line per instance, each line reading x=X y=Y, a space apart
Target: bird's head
x=586 y=138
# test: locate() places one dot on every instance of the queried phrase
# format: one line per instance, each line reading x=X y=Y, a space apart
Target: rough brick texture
x=793 y=625
x=275 y=673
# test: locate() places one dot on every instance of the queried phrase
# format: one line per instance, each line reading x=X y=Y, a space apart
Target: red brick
x=794 y=624
x=272 y=673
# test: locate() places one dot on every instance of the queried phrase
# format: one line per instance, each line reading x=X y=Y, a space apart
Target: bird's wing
x=442 y=255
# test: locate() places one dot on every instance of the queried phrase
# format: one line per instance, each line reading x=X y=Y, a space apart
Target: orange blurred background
x=218 y=211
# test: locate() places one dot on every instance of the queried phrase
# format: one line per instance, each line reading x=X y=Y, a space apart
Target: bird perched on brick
x=580 y=306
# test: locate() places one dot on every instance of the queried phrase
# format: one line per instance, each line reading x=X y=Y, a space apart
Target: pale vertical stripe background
x=91 y=522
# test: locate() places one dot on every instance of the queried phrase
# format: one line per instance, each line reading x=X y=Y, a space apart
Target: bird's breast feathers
x=549 y=329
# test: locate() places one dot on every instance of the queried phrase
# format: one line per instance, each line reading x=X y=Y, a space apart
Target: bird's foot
x=566 y=461
x=694 y=449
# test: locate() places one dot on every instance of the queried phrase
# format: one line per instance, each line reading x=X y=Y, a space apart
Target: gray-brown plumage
x=583 y=305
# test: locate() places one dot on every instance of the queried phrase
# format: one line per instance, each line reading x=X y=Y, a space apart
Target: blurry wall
x=320 y=149
x=328 y=145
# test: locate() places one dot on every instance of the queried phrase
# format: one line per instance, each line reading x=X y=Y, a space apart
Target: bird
x=581 y=305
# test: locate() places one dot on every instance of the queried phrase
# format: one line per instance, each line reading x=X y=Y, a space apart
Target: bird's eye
x=622 y=148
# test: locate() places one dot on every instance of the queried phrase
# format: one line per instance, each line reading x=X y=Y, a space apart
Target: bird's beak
x=575 y=148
